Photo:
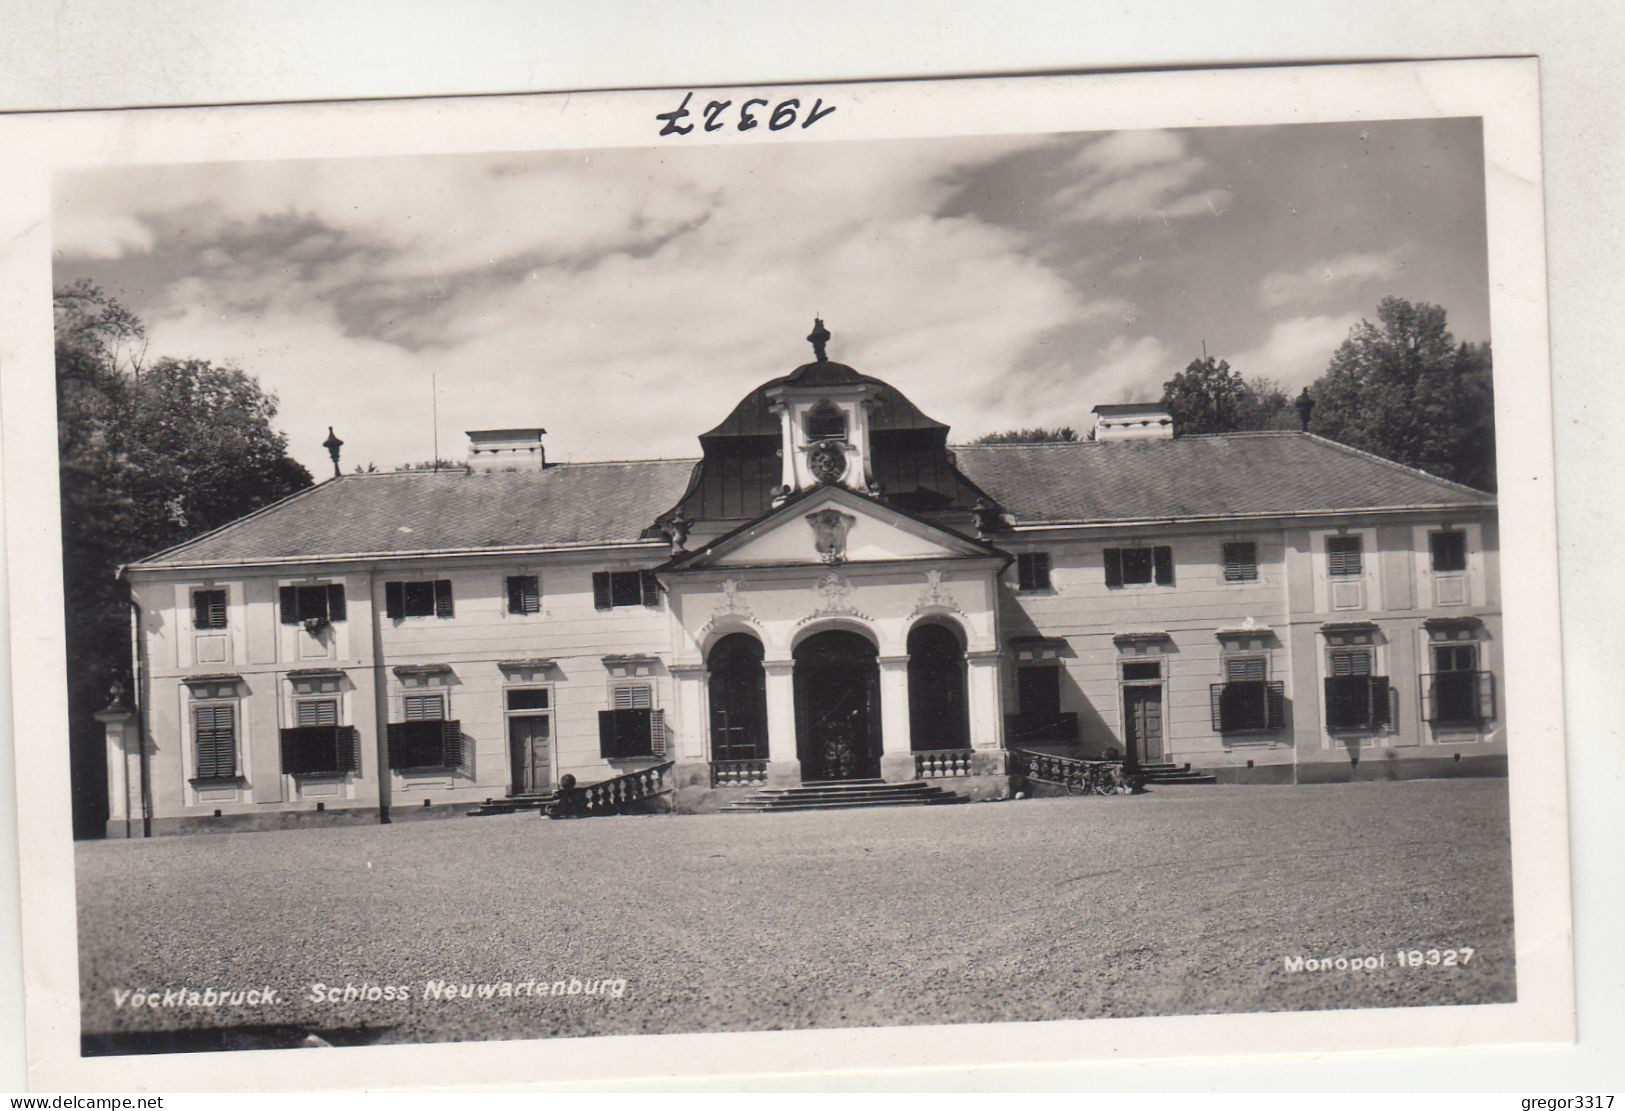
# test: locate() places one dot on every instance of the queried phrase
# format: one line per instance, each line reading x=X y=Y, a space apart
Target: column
x=783 y=765
x=897 y=748
x=984 y=697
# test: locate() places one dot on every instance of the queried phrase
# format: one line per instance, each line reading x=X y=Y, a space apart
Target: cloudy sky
x=626 y=299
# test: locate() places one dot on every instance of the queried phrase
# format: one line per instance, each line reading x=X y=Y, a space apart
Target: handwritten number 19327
x=716 y=117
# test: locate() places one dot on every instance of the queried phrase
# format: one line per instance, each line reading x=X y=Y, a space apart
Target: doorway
x=837 y=696
x=937 y=714
x=1142 y=712
x=530 y=741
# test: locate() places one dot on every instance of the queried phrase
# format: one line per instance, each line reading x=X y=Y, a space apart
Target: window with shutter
x=1140 y=566
x=1449 y=551
x=209 y=609
x=1241 y=562
x=650 y=584
x=214 y=738
x=1344 y=556
x=614 y=589
x=524 y=594
x=1032 y=571
x=1114 y=567
x=321 y=750
x=314 y=712
x=320 y=603
x=424 y=707
x=1244 y=669
x=418 y=599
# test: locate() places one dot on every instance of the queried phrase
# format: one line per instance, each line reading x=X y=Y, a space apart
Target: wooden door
x=1142 y=723
x=530 y=748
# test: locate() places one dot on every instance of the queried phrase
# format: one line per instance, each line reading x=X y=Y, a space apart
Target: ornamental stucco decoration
x=936 y=596
x=731 y=604
x=830 y=527
x=834 y=599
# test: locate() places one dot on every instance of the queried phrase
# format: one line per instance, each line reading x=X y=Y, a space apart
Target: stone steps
x=842 y=795
x=513 y=804
x=1155 y=773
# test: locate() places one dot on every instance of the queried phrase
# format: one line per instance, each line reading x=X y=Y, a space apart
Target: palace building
x=829 y=593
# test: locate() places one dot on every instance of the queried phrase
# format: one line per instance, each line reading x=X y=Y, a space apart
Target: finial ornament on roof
x=1305 y=405
x=819 y=337
x=332 y=444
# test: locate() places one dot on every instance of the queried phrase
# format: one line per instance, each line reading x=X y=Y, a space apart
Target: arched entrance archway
x=937 y=711
x=738 y=692
x=837 y=693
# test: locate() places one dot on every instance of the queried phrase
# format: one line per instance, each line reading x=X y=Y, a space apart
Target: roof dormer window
x=826 y=422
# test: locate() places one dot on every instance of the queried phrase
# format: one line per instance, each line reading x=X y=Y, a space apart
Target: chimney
x=507 y=449
x=1135 y=420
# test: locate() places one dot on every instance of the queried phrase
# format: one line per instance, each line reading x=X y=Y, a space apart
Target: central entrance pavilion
x=835 y=607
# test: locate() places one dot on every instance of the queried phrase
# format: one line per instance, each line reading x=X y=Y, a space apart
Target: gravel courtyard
x=1183 y=901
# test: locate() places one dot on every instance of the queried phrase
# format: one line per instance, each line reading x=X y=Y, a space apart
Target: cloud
x=1328 y=277
x=1137 y=175
x=1297 y=350
x=624 y=300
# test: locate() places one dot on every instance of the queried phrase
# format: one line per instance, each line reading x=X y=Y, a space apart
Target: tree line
x=1401 y=388
x=149 y=456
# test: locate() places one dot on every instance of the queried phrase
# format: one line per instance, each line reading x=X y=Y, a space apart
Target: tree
x=1029 y=436
x=1206 y=396
x=148 y=457
x=1401 y=388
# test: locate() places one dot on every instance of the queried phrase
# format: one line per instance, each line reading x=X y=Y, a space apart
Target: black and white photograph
x=776 y=571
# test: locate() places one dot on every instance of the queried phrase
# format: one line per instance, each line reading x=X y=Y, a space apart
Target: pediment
x=834 y=525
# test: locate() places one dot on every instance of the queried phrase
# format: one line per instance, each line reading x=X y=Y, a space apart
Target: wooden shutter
x=524 y=594
x=1351 y=662
x=657 y=732
x=1381 y=708
x=348 y=742
x=1343 y=555
x=609 y=745
x=1240 y=562
x=288 y=598
x=318 y=711
x=651 y=590
x=395 y=600
x=451 y=739
x=397 y=744
x=425 y=707
x=215 y=736
x=1114 y=567
x=1215 y=695
x=1275 y=694
x=601 y=597
x=442 y=598
x=636 y=696
x=1163 y=558
x=209 y=609
x=1239 y=669
x=335 y=602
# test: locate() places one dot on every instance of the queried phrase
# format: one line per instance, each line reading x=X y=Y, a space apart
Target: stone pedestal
x=124 y=811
